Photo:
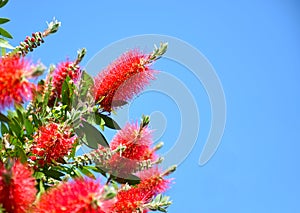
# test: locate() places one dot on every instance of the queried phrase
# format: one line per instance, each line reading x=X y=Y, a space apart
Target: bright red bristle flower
x=153 y=182
x=14 y=84
x=17 y=188
x=136 y=139
x=60 y=74
x=51 y=143
x=123 y=79
x=135 y=198
x=78 y=196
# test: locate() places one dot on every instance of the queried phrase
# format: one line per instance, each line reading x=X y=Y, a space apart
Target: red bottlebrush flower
x=133 y=200
x=123 y=79
x=17 y=188
x=79 y=196
x=152 y=182
x=60 y=74
x=136 y=140
x=14 y=84
x=51 y=143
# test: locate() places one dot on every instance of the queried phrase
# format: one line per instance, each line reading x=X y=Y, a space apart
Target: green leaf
x=4 y=20
x=3 y=3
x=38 y=175
x=93 y=136
x=109 y=122
x=28 y=126
x=21 y=154
x=118 y=103
x=5 y=44
x=87 y=82
x=4 y=129
x=130 y=179
x=4 y=118
x=4 y=33
x=54 y=174
x=65 y=92
x=84 y=170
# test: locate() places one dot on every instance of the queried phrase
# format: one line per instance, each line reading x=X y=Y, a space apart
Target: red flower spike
x=17 y=188
x=51 y=143
x=79 y=196
x=14 y=84
x=123 y=79
x=60 y=74
x=132 y=200
x=137 y=141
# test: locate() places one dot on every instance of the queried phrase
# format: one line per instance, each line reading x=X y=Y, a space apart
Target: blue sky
x=254 y=47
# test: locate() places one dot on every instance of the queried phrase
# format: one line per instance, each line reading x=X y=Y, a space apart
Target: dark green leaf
x=65 y=92
x=3 y=3
x=119 y=103
x=93 y=136
x=86 y=83
x=4 y=129
x=21 y=154
x=109 y=122
x=84 y=170
x=5 y=44
x=3 y=118
x=54 y=174
x=28 y=126
x=4 y=20
x=38 y=175
x=4 y=33
x=130 y=179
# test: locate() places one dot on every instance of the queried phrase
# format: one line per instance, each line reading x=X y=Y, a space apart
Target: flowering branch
x=40 y=167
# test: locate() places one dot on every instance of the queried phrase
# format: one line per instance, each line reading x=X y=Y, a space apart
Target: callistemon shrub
x=46 y=118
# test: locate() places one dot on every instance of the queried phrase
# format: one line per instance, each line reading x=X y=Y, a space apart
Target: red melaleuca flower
x=51 y=143
x=152 y=182
x=14 y=84
x=60 y=74
x=79 y=196
x=135 y=198
x=17 y=188
x=137 y=141
x=123 y=79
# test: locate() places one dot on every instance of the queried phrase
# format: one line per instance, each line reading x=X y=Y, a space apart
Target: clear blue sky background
x=254 y=47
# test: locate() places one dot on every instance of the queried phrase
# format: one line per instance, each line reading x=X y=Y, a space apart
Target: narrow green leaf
x=93 y=136
x=54 y=174
x=65 y=92
x=28 y=126
x=130 y=179
x=4 y=20
x=4 y=33
x=4 y=129
x=84 y=170
x=3 y=3
x=109 y=122
x=87 y=82
x=119 y=103
x=4 y=118
x=5 y=44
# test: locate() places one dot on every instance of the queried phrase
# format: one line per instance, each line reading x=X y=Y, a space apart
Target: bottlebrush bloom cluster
x=51 y=143
x=80 y=195
x=15 y=86
x=48 y=127
x=17 y=187
x=124 y=78
x=60 y=74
